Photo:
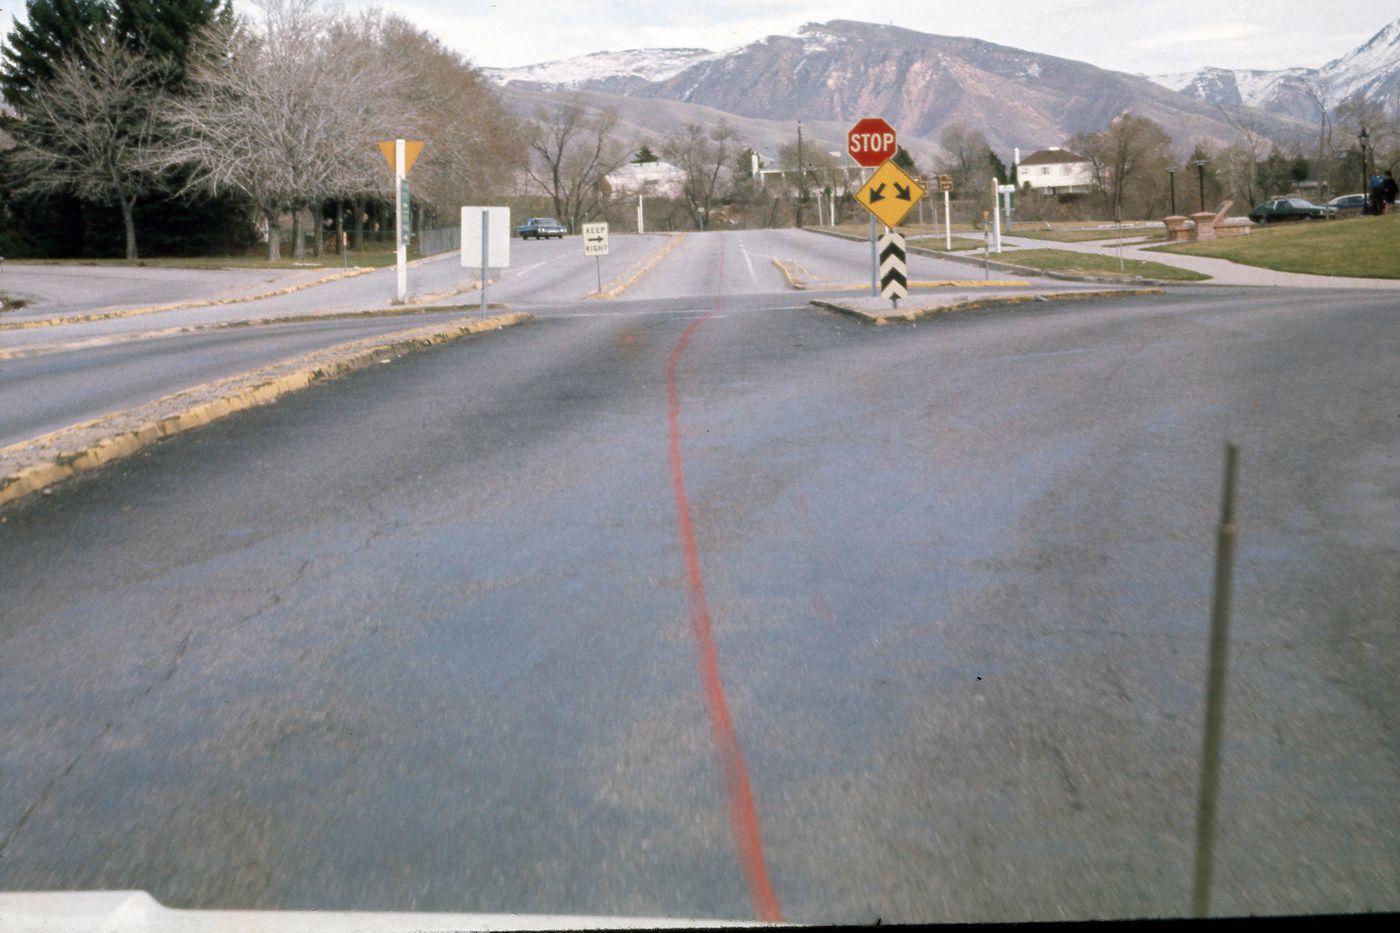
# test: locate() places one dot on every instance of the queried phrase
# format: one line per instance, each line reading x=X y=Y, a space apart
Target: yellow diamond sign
x=889 y=194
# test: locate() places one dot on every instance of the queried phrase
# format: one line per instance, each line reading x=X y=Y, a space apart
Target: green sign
x=405 y=213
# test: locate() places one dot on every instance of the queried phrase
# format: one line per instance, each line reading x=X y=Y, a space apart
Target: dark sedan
x=1288 y=209
x=537 y=227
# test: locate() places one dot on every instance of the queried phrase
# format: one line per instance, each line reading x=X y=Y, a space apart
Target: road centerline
x=743 y=814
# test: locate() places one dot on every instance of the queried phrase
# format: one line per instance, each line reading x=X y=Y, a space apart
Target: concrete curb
x=33 y=465
x=793 y=282
x=88 y=343
x=797 y=284
x=615 y=288
x=1013 y=268
x=184 y=305
x=880 y=319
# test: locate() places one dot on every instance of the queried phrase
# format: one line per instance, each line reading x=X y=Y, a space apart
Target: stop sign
x=871 y=142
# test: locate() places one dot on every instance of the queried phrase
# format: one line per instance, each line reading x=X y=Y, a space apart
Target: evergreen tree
x=165 y=29
x=645 y=155
x=904 y=160
x=161 y=32
x=998 y=167
x=51 y=30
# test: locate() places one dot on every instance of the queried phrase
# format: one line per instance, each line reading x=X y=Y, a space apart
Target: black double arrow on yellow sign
x=889 y=208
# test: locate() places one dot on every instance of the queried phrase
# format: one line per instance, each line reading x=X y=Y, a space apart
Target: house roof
x=1052 y=156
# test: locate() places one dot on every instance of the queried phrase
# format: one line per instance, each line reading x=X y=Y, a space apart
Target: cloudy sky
x=1139 y=36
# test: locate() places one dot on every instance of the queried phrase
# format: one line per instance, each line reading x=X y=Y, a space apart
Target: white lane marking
x=752 y=274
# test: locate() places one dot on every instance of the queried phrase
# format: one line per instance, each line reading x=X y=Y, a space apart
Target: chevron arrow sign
x=894 y=269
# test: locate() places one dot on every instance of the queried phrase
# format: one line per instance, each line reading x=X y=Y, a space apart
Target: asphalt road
x=58 y=375
x=438 y=635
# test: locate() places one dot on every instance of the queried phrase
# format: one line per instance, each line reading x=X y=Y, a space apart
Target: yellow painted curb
x=881 y=319
x=184 y=305
x=790 y=274
x=32 y=465
x=615 y=288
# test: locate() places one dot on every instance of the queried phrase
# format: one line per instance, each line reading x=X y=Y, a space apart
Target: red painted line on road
x=743 y=815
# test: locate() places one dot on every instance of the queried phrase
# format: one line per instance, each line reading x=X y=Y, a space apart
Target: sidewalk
x=1221 y=271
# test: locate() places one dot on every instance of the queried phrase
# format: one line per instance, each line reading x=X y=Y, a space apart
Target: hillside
x=842 y=70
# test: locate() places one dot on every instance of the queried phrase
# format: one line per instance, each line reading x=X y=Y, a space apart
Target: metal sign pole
x=874 y=259
x=947 y=225
x=401 y=248
x=485 y=241
x=598 y=264
x=996 y=216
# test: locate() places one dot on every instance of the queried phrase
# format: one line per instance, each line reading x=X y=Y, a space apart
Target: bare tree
x=572 y=151
x=1130 y=157
x=968 y=154
x=282 y=115
x=475 y=147
x=1239 y=168
x=706 y=156
x=1324 y=136
x=90 y=130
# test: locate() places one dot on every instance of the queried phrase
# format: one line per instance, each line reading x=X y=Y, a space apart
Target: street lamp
x=1171 y=177
x=1201 y=176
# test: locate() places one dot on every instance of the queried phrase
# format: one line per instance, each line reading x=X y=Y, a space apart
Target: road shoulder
x=34 y=465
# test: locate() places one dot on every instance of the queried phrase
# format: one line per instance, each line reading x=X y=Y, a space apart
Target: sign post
x=996 y=216
x=400 y=154
x=871 y=143
x=595 y=244
x=945 y=184
x=485 y=242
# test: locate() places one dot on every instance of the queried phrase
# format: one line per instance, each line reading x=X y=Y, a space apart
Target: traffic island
x=36 y=464
x=878 y=311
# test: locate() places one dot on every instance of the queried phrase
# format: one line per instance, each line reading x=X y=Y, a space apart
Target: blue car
x=537 y=227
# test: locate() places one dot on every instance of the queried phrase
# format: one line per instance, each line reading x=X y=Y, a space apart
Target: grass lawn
x=960 y=244
x=1363 y=247
x=1060 y=260
x=861 y=230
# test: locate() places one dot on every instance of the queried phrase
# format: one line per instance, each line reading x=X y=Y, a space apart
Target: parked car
x=537 y=227
x=1348 y=204
x=1288 y=209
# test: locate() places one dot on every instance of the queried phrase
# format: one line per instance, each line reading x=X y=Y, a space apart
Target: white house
x=656 y=179
x=1056 y=171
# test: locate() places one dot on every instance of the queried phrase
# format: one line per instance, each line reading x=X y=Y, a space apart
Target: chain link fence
x=439 y=240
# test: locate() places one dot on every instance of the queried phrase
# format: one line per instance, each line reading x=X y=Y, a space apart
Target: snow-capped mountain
x=838 y=71
x=1371 y=69
x=605 y=71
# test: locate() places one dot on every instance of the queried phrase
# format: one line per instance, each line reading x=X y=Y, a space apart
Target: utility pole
x=801 y=176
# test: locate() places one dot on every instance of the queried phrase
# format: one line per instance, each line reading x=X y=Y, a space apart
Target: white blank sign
x=498 y=240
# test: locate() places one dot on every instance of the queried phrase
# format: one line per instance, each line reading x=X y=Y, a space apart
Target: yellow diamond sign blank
x=889 y=194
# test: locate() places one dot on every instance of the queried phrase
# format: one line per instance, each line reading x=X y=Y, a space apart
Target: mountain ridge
x=1371 y=69
x=843 y=69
